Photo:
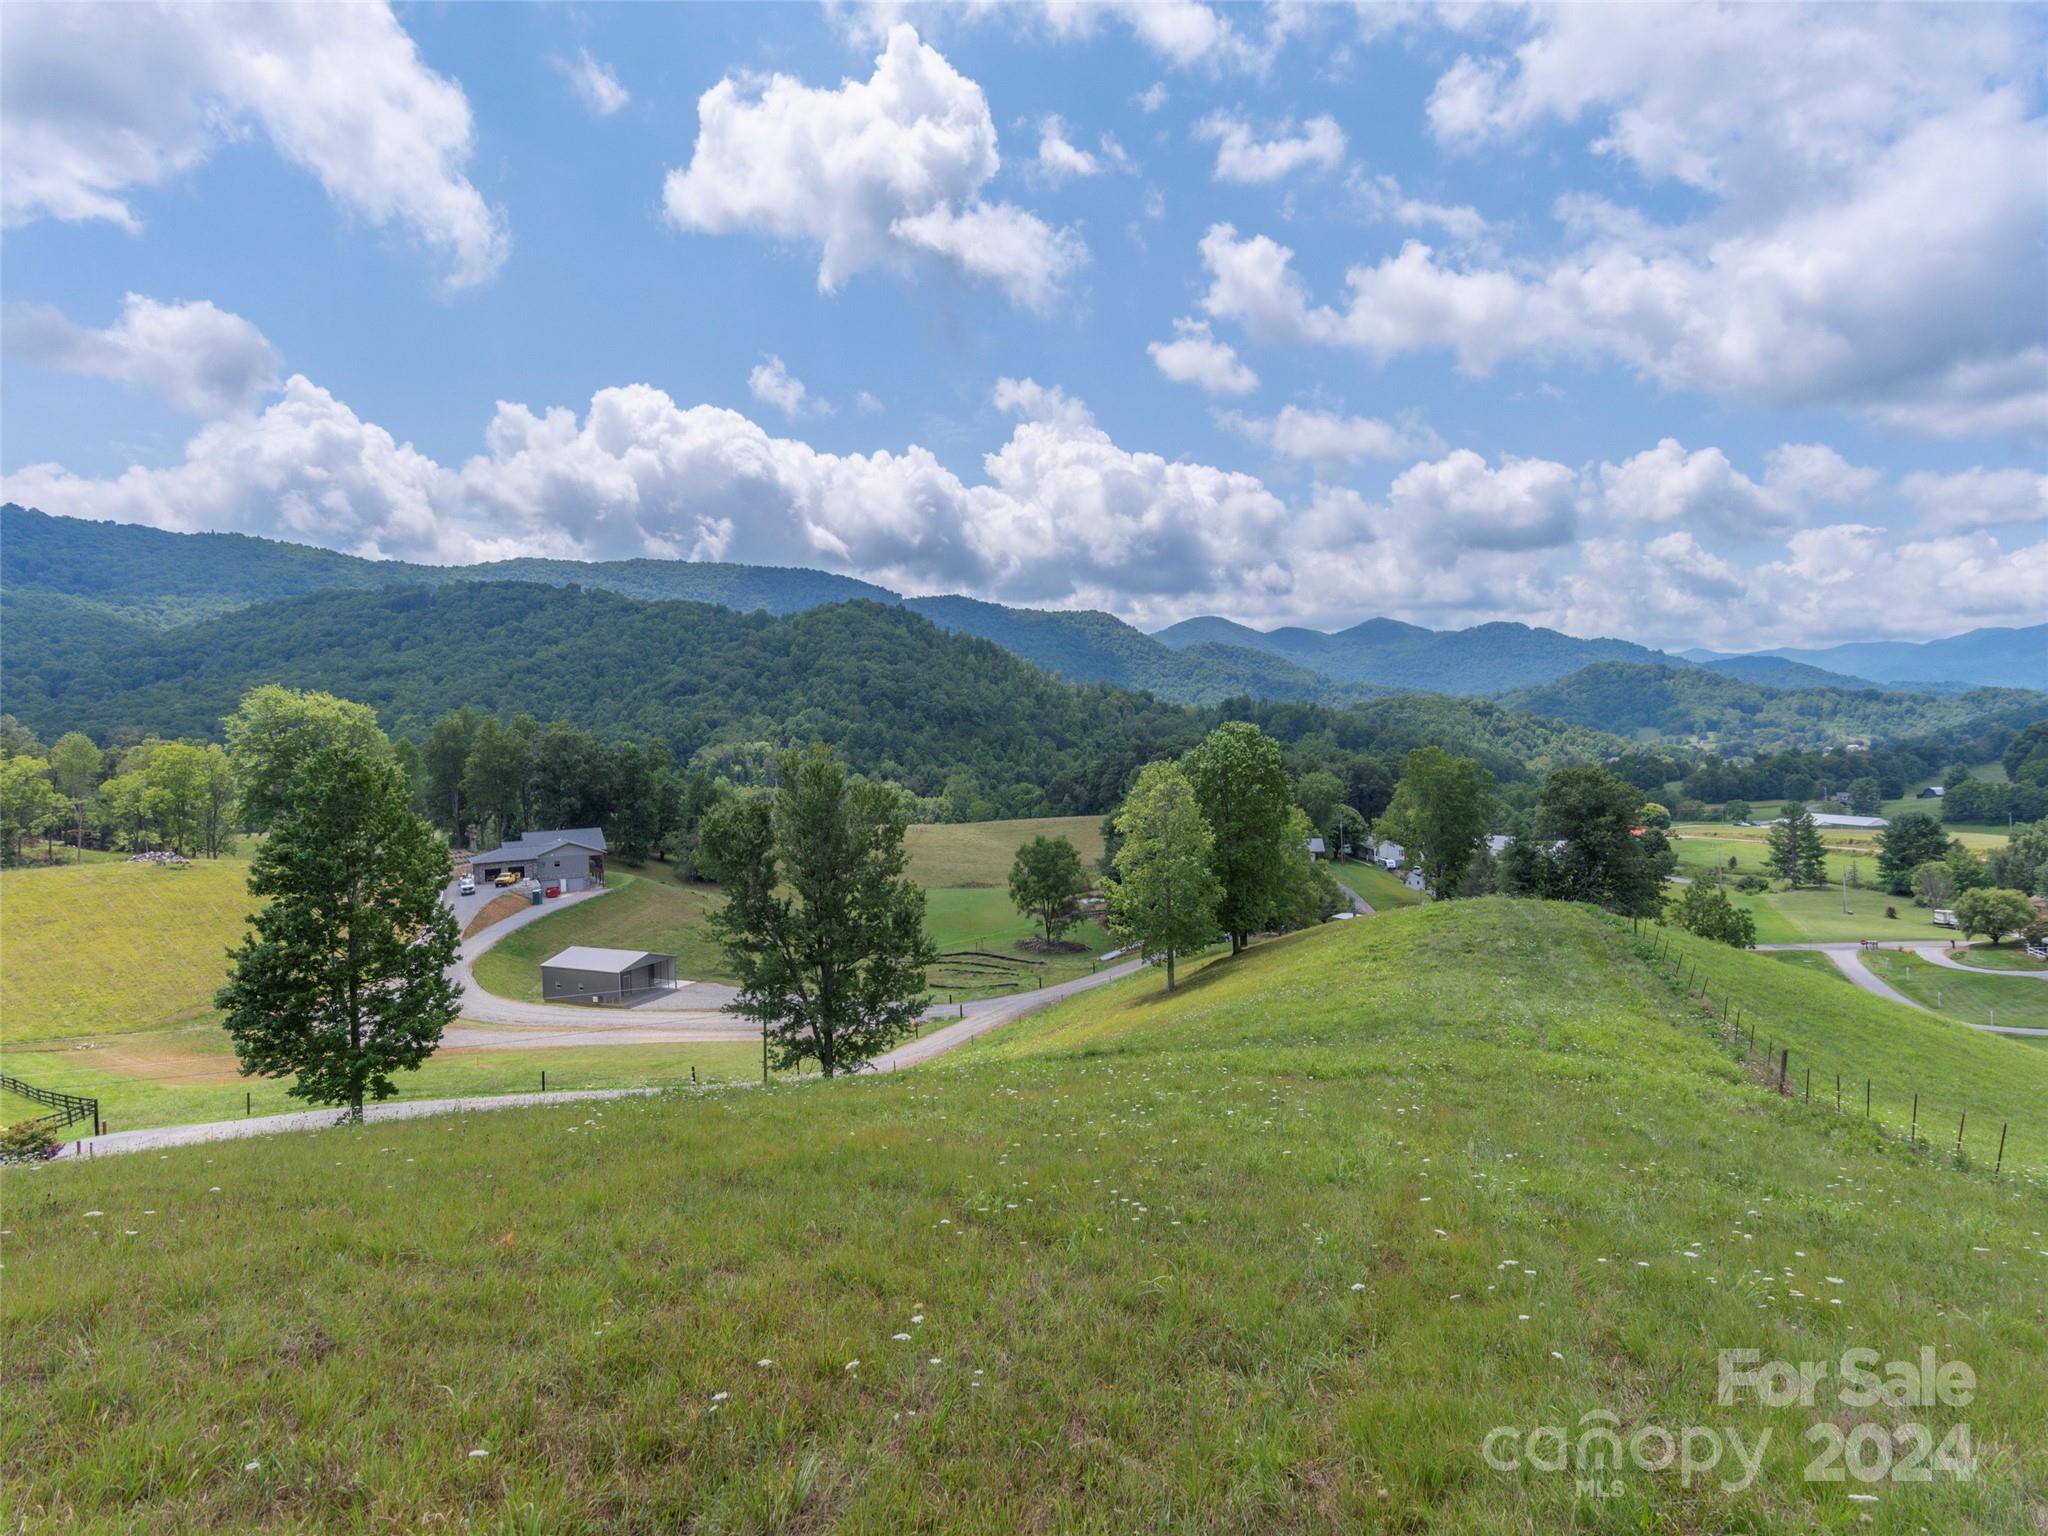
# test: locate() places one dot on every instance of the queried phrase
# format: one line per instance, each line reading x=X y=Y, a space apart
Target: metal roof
x=584 y=957
x=531 y=845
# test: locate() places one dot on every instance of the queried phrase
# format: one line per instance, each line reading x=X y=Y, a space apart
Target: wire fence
x=1825 y=1086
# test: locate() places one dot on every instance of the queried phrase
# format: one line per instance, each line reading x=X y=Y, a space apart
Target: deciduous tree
x=1992 y=912
x=276 y=729
x=1166 y=892
x=820 y=925
x=1047 y=882
x=343 y=980
x=1440 y=810
x=1241 y=785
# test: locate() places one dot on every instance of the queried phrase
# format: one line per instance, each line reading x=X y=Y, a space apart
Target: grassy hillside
x=110 y=948
x=1275 y=1254
x=1986 y=999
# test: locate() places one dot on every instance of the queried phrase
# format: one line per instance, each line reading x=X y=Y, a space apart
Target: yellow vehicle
x=507 y=877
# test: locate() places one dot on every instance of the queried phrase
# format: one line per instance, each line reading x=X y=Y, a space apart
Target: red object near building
x=554 y=890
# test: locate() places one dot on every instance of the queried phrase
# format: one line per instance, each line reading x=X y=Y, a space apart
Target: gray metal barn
x=572 y=858
x=583 y=974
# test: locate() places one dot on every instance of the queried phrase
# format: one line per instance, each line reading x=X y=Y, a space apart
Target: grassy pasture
x=188 y=1074
x=111 y=947
x=1985 y=999
x=965 y=870
x=1273 y=1254
x=2005 y=957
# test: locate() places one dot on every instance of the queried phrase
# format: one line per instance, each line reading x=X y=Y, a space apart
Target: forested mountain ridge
x=1703 y=705
x=1486 y=659
x=2014 y=658
x=900 y=697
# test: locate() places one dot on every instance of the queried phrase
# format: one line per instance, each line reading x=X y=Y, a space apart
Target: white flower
x=764 y=1364
x=478 y=1454
x=252 y=1466
x=900 y=1338
x=851 y=1364
x=719 y=1397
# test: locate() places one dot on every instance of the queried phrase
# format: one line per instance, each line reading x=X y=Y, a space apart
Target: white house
x=1389 y=855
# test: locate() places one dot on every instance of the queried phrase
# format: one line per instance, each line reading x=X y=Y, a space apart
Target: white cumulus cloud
x=773 y=384
x=1330 y=441
x=1241 y=156
x=97 y=100
x=1194 y=356
x=875 y=172
x=194 y=357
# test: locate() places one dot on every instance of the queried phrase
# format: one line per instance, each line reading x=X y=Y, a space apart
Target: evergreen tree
x=343 y=980
x=1812 y=857
x=1046 y=882
x=820 y=926
x=1241 y=785
x=1166 y=891
x=1911 y=840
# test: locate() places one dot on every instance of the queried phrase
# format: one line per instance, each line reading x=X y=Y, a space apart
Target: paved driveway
x=1848 y=959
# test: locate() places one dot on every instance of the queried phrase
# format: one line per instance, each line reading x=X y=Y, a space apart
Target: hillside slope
x=1276 y=1254
x=1698 y=702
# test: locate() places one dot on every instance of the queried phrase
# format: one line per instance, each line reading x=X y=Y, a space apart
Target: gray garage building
x=571 y=857
x=582 y=974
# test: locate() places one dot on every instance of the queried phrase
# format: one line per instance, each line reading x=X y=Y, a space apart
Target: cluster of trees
x=1214 y=845
x=1968 y=799
x=1589 y=839
x=1918 y=858
x=492 y=779
x=176 y=795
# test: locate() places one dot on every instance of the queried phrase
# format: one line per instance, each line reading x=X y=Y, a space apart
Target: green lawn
x=188 y=1074
x=964 y=868
x=1987 y=999
x=110 y=947
x=650 y=910
x=1274 y=1254
x=1381 y=890
x=2009 y=956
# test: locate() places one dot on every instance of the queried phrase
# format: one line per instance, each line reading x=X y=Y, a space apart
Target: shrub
x=1891 y=911
x=27 y=1141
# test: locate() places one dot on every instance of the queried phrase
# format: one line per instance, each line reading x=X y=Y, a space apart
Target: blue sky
x=1692 y=324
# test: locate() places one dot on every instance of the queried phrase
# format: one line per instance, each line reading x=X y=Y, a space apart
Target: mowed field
x=1813 y=915
x=1275 y=1253
x=1986 y=999
x=965 y=870
x=110 y=970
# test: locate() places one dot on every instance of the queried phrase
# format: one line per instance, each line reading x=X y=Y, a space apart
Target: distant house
x=1497 y=844
x=1855 y=823
x=582 y=974
x=1931 y=792
x=1389 y=855
x=1840 y=797
x=572 y=858
x=1316 y=849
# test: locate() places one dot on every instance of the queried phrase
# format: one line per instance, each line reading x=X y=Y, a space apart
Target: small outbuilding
x=583 y=974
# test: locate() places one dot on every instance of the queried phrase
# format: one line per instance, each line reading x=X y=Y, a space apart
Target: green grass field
x=965 y=870
x=188 y=1074
x=2008 y=956
x=112 y=947
x=1382 y=891
x=1810 y=915
x=1986 y=999
x=1274 y=1254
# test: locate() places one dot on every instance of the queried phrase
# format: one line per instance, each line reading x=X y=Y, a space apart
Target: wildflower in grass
x=900 y=1338
x=478 y=1454
x=95 y=1213
x=252 y=1466
x=764 y=1364
x=852 y=1365
x=719 y=1397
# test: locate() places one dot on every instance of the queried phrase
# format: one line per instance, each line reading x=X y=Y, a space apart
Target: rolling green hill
x=1696 y=702
x=1277 y=1253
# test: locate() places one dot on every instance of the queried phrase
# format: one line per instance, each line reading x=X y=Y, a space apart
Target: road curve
x=1848 y=960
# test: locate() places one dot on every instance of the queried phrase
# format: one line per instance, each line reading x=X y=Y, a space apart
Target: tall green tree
x=1320 y=794
x=446 y=757
x=276 y=729
x=75 y=765
x=1047 y=882
x=1706 y=910
x=343 y=980
x=498 y=775
x=1241 y=785
x=1793 y=850
x=1166 y=894
x=1440 y=811
x=1911 y=840
x=822 y=928
x=28 y=802
x=1586 y=847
